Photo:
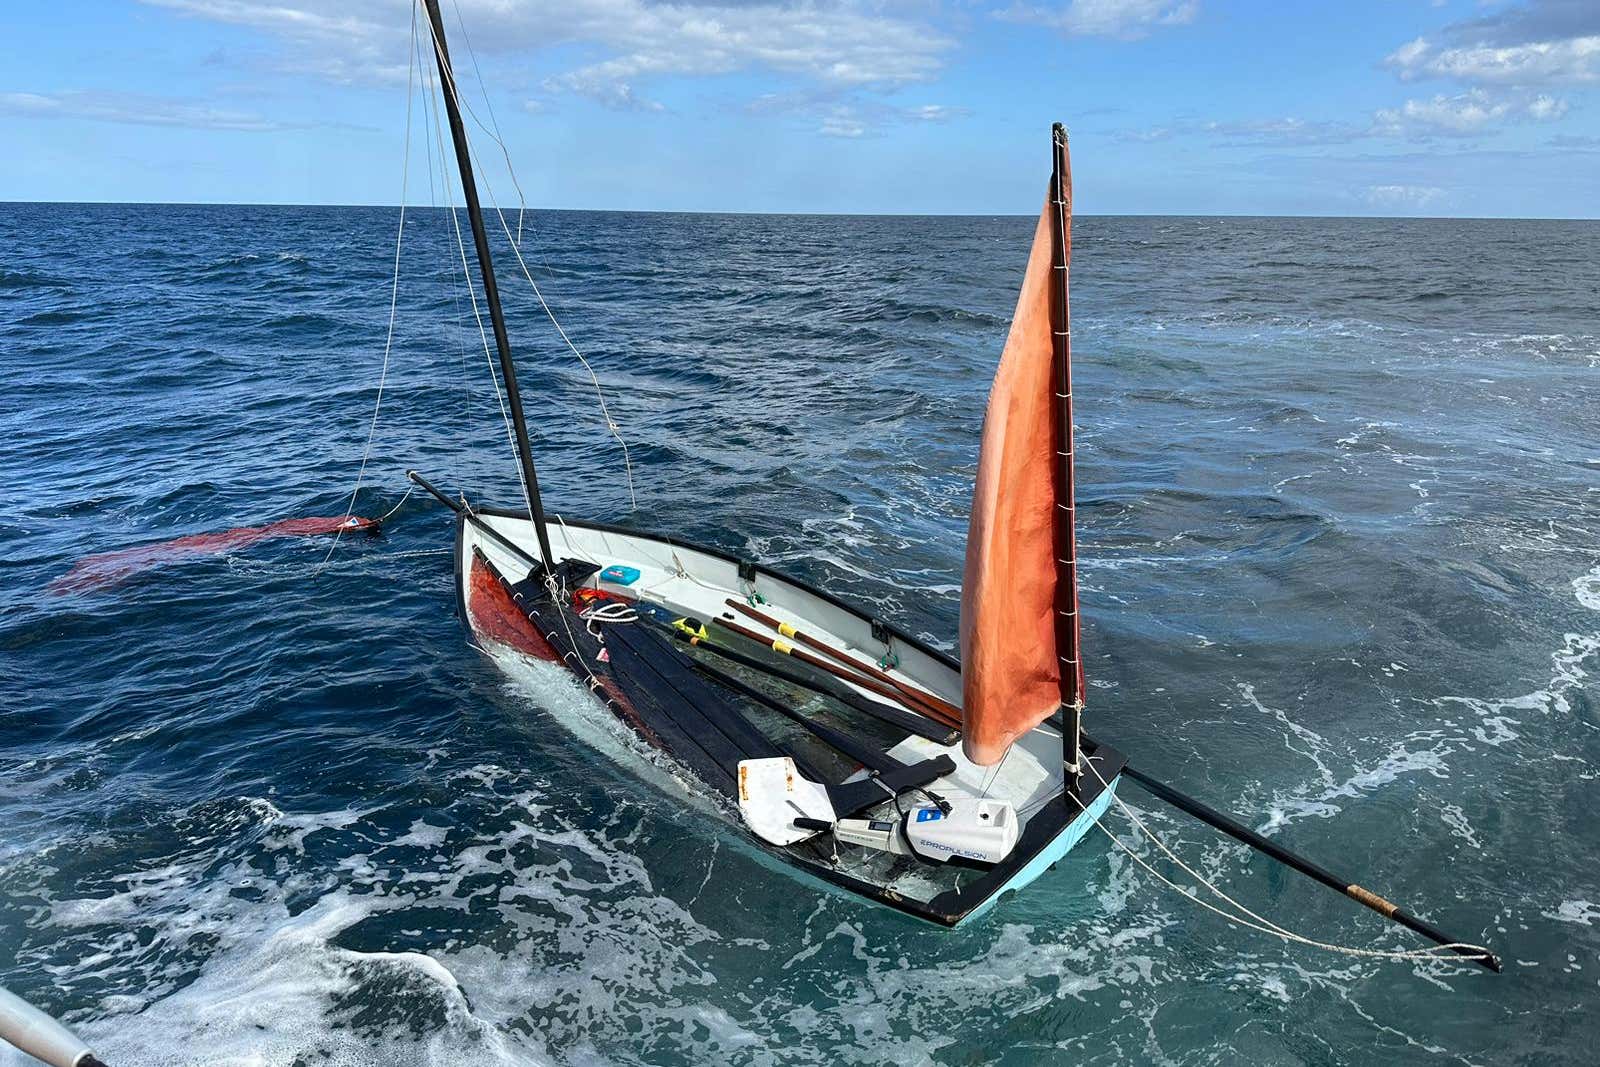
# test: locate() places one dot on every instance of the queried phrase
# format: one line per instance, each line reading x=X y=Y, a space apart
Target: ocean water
x=1341 y=528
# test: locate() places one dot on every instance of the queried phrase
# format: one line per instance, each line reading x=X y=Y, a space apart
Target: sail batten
x=1020 y=620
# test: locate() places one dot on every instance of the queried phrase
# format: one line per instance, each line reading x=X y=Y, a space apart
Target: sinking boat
x=852 y=751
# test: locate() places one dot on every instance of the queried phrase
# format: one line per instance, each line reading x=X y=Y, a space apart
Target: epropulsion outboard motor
x=784 y=807
x=965 y=828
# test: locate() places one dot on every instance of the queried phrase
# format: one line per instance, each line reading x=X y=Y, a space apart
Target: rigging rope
x=482 y=172
x=394 y=297
x=461 y=247
x=1260 y=923
x=483 y=89
x=455 y=280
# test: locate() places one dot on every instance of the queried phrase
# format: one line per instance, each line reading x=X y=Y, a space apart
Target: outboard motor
x=962 y=829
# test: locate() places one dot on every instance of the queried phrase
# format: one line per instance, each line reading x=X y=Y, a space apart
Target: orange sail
x=1020 y=662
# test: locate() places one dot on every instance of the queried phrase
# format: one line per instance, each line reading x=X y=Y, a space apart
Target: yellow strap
x=782 y=647
x=785 y=629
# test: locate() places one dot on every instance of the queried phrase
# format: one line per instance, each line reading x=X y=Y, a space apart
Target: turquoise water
x=1340 y=500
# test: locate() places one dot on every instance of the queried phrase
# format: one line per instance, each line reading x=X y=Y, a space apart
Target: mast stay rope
x=515 y=242
x=394 y=301
x=466 y=272
x=1251 y=920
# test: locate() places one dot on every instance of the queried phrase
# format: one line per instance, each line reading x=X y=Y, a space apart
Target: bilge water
x=1340 y=498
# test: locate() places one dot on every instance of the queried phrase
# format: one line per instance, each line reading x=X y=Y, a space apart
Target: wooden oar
x=946 y=709
x=893 y=714
x=1239 y=832
x=838 y=740
x=782 y=647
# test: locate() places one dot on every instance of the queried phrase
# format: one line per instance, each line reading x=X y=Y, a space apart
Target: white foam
x=1587 y=589
x=1575 y=911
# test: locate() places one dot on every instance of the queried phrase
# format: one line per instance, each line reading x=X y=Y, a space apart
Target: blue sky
x=1408 y=107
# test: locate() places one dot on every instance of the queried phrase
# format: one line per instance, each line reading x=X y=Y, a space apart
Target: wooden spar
x=920 y=697
x=1068 y=630
x=433 y=490
x=838 y=740
x=491 y=291
x=782 y=647
x=893 y=714
x=1260 y=843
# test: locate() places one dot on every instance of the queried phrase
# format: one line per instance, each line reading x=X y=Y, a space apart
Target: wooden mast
x=1068 y=630
x=491 y=291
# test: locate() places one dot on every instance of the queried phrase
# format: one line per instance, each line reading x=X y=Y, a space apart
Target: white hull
x=692 y=581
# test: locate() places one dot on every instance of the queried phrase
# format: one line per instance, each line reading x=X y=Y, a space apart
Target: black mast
x=1068 y=631
x=491 y=291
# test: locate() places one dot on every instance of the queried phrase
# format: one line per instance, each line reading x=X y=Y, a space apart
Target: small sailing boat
x=852 y=751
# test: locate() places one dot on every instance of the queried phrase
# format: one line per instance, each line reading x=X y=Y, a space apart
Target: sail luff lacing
x=1068 y=629
x=1072 y=687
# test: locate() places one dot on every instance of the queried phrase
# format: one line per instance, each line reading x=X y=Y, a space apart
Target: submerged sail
x=1019 y=600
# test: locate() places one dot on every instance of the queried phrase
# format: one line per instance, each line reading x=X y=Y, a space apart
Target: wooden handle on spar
x=946 y=709
x=779 y=645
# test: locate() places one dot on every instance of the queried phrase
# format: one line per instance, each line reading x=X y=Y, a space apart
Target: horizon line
x=802 y=214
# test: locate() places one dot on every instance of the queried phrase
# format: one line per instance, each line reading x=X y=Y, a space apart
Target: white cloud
x=1467 y=114
x=934 y=113
x=850 y=43
x=1125 y=19
x=1537 y=42
x=1285 y=131
x=1288 y=131
x=1403 y=197
x=134 y=109
x=849 y=114
x=842 y=122
x=1545 y=107
x=1572 y=61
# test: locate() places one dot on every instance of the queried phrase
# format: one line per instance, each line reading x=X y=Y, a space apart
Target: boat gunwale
x=945 y=658
x=983 y=892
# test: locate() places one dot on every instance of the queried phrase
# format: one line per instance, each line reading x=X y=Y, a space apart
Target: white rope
x=605 y=412
x=594 y=379
x=573 y=546
x=394 y=296
x=455 y=280
x=483 y=89
x=557 y=594
x=466 y=270
x=1260 y=923
x=388 y=514
x=610 y=611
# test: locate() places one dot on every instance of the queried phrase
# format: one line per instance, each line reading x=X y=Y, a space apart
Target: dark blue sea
x=1340 y=499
